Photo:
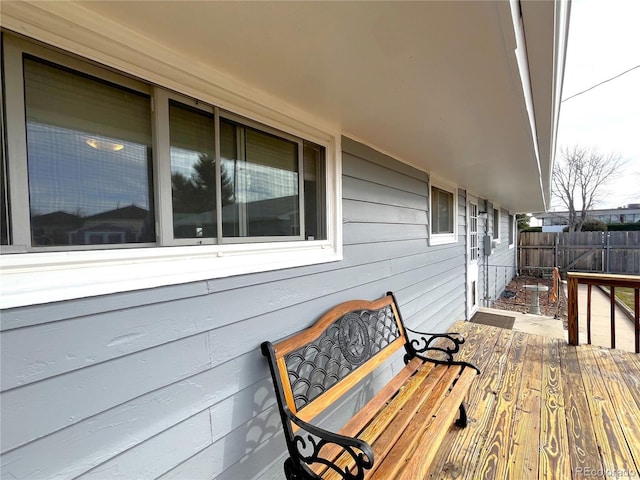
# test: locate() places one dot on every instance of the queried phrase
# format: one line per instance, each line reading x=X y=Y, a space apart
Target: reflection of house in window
x=274 y=216
x=53 y=228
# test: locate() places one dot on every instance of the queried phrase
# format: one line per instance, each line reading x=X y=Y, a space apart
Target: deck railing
x=601 y=280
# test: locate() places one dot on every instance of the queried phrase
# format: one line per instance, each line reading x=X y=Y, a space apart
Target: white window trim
x=444 y=238
x=43 y=277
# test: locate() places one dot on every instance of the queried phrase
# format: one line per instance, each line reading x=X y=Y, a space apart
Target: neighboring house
x=557 y=220
x=387 y=139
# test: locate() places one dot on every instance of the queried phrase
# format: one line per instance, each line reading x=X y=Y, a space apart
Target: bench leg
x=290 y=470
x=462 y=420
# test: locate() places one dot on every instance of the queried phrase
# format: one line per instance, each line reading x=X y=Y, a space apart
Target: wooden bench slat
x=397 y=455
x=389 y=423
x=434 y=431
x=361 y=419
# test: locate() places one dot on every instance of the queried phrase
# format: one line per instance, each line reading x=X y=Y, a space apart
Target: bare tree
x=579 y=178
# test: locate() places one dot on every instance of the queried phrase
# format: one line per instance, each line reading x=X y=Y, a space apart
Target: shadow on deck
x=544 y=409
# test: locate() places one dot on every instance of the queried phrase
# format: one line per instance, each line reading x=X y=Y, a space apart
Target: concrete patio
x=600 y=322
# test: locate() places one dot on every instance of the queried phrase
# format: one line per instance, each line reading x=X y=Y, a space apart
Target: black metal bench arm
x=363 y=460
x=307 y=451
x=418 y=347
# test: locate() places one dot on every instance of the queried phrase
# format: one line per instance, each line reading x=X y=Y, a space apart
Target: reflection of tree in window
x=198 y=193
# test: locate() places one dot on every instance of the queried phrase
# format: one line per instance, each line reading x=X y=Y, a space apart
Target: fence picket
x=617 y=252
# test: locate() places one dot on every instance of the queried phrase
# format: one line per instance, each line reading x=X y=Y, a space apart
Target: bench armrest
x=442 y=344
x=310 y=444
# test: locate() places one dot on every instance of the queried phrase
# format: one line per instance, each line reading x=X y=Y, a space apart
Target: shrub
x=591 y=225
x=531 y=229
x=624 y=227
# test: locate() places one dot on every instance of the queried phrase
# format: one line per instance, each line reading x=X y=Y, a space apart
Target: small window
x=444 y=205
x=496 y=224
x=511 y=230
x=441 y=211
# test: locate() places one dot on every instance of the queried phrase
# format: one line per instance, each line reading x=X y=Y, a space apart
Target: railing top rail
x=615 y=280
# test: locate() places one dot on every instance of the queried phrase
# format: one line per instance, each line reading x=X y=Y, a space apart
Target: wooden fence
x=601 y=252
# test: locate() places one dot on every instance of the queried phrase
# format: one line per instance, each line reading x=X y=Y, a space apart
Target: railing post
x=612 y=299
x=636 y=322
x=572 y=309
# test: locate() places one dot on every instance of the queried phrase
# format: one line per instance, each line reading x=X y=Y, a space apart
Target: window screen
x=89 y=159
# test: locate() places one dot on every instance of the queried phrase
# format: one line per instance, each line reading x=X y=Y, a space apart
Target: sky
x=604 y=41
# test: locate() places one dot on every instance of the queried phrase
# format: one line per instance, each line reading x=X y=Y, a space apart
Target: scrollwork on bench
x=422 y=346
x=317 y=439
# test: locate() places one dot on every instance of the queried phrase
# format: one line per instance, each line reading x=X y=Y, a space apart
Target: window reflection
x=193 y=172
x=261 y=171
x=89 y=160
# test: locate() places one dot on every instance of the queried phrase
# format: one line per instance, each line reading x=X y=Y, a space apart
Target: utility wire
x=598 y=84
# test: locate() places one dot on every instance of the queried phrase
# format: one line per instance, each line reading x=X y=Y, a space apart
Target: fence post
x=608 y=249
x=572 y=309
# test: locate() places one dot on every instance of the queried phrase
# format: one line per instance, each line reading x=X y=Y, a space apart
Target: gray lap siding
x=170 y=382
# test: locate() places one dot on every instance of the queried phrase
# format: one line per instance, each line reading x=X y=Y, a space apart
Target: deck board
x=463 y=446
x=544 y=409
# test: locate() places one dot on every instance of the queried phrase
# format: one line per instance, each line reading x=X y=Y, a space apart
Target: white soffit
x=435 y=84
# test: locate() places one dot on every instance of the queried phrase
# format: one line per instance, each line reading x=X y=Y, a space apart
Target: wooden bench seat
x=397 y=433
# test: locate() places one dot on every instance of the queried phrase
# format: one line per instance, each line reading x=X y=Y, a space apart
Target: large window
x=90 y=168
x=99 y=161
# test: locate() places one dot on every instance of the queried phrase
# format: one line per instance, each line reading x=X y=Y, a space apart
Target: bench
x=397 y=433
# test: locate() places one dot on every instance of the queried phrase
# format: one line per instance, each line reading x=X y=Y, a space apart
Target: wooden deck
x=544 y=409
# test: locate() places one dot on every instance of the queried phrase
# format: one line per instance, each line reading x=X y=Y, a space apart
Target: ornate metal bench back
x=346 y=344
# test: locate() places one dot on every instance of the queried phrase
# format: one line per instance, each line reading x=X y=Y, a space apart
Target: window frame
x=35 y=275
x=495 y=229
x=450 y=237
x=512 y=230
